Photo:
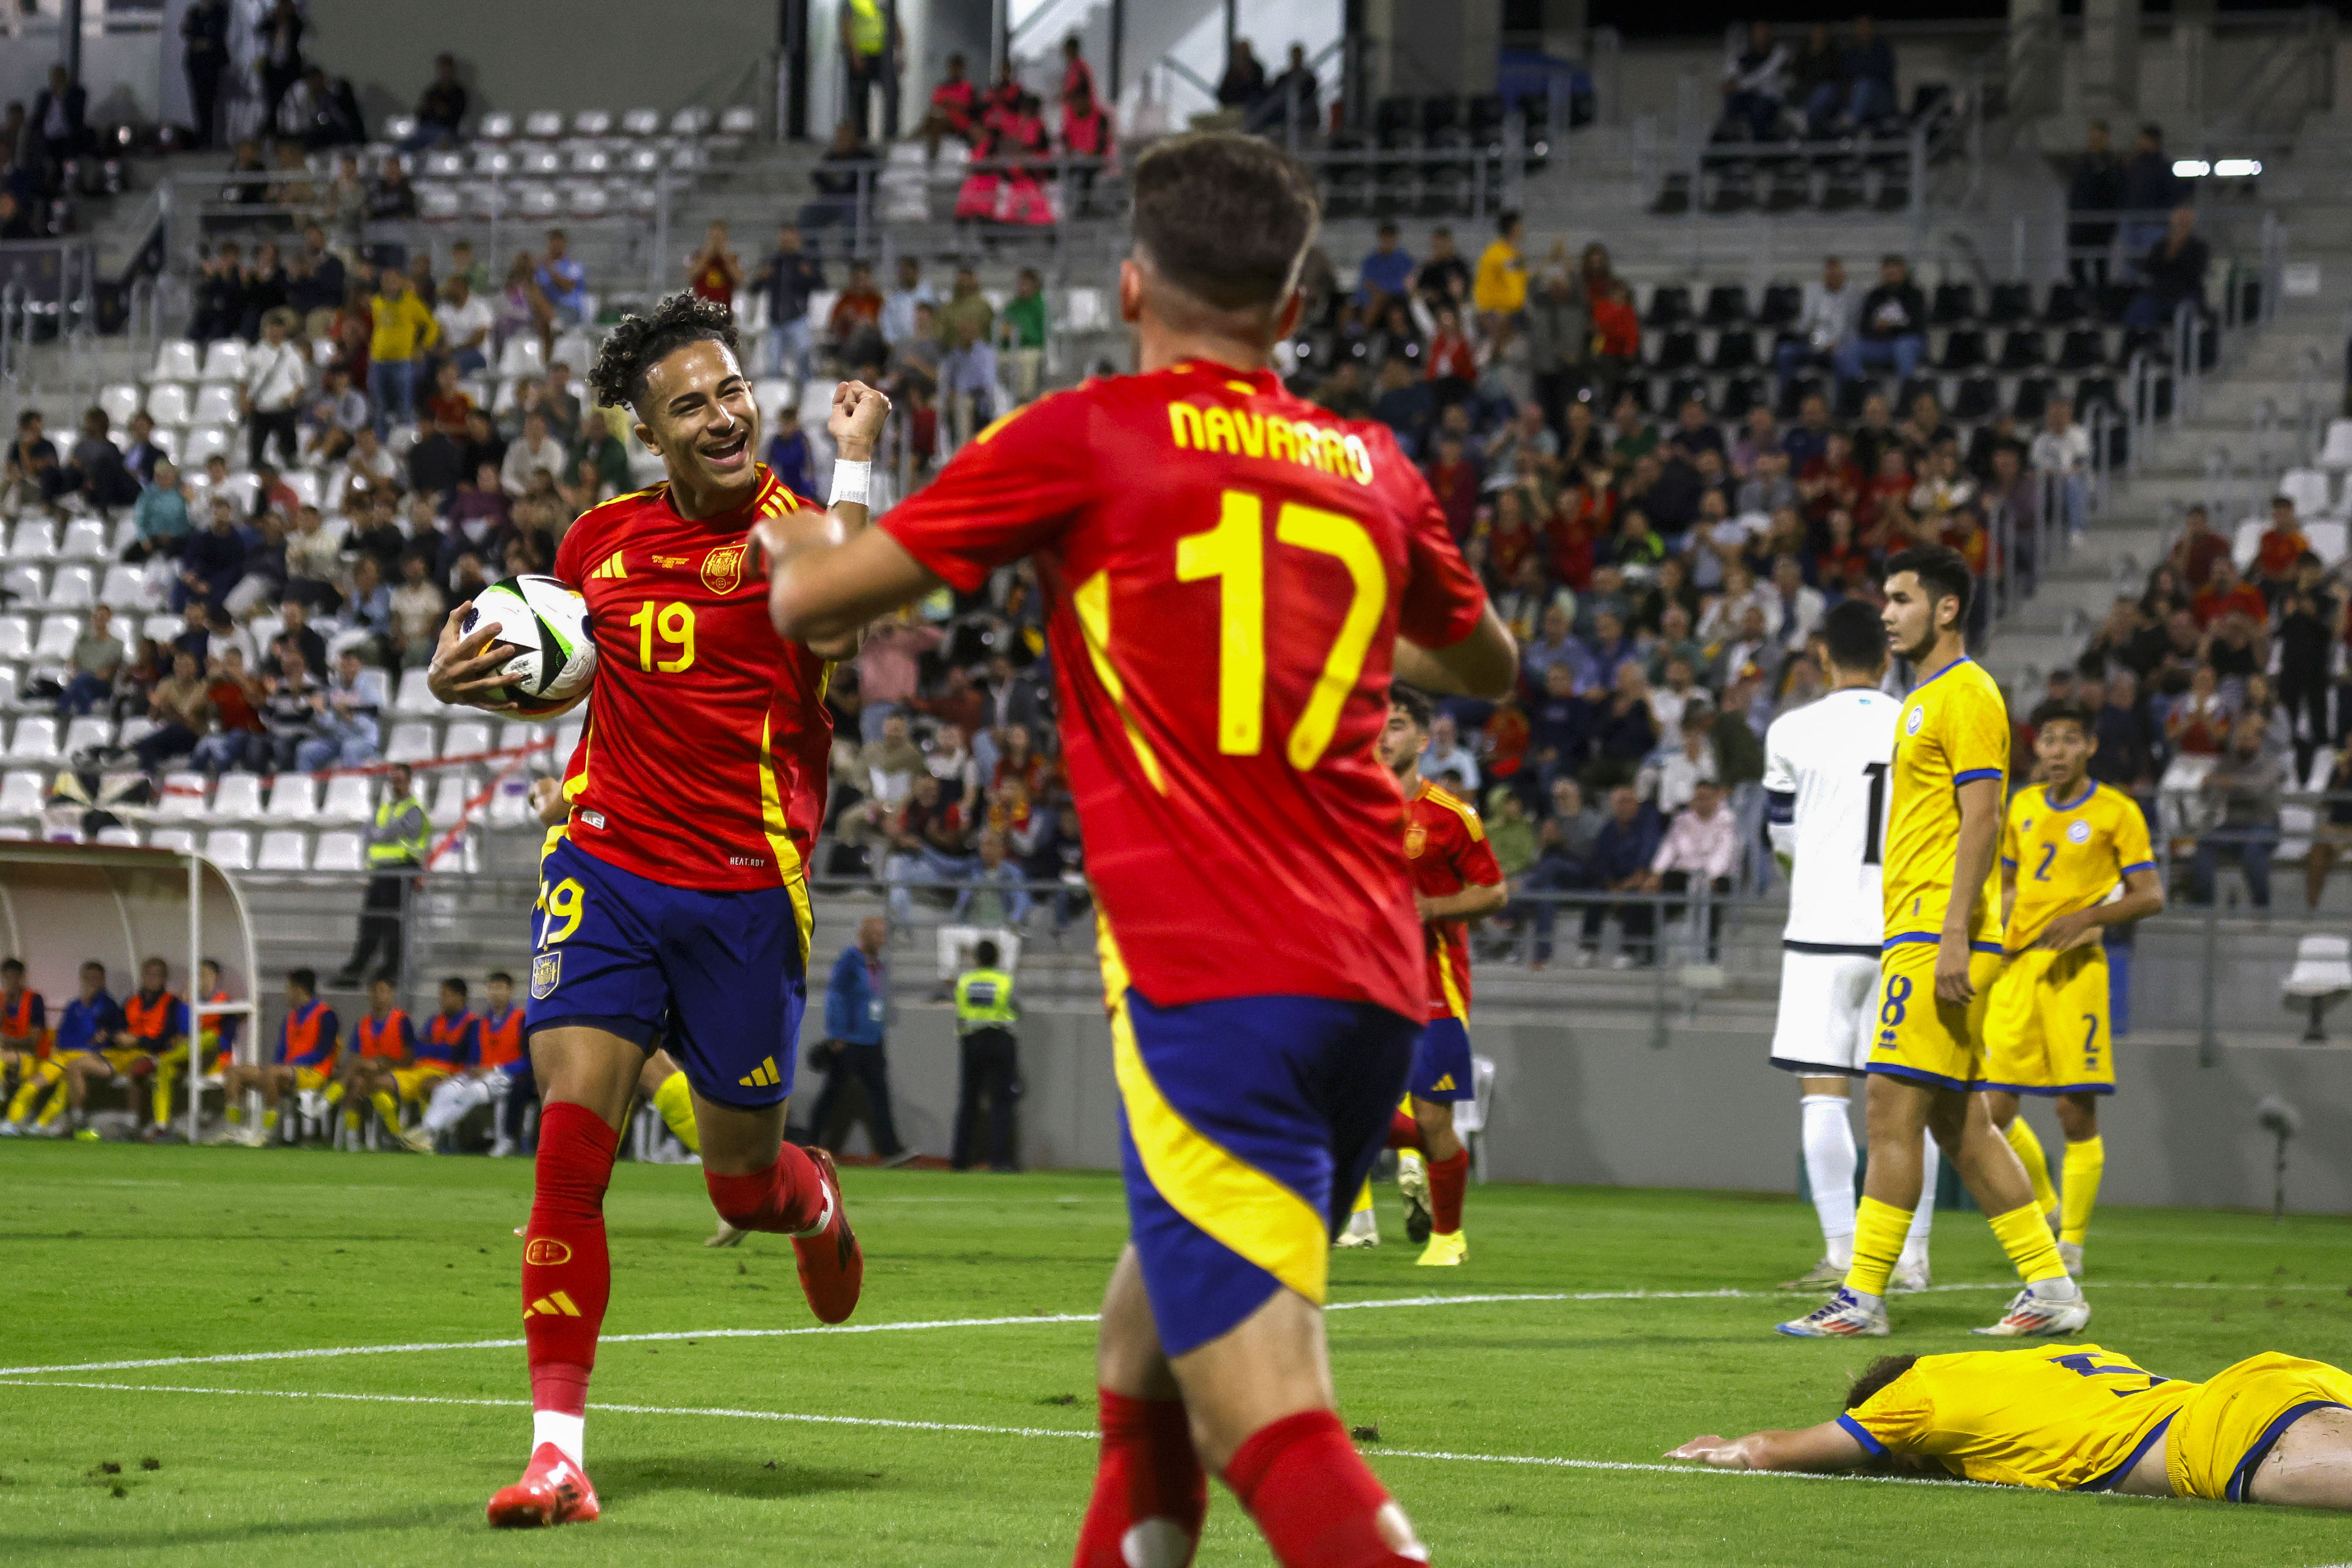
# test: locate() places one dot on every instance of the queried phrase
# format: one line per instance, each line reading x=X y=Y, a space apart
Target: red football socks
x=1149 y=1486
x=567 y=1274
x=1317 y=1503
x=1404 y=1133
x=788 y=1196
x=1447 y=1179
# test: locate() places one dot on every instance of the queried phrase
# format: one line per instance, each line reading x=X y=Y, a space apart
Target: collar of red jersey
x=1263 y=380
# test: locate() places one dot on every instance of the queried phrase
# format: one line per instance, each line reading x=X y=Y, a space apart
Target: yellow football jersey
x=2066 y=1417
x=1954 y=727
x=2068 y=855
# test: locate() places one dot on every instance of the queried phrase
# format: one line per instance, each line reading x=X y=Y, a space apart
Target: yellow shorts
x=313 y=1078
x=2227 y=1428
x=416 y=1083
x=1920 y=1040
x=124 y=1058
x=2046 y=1032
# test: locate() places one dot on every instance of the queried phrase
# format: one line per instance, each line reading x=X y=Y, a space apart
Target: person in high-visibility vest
x=873 y=52
x=985 y=1014
x=398 y=841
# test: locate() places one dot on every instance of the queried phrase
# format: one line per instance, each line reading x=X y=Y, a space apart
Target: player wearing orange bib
x=24 y=1035
x=1455 y=881
x=1232 y=578
x=310 y=1041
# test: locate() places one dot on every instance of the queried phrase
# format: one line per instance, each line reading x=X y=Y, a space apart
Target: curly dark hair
x=1877 y=1376
x=641 y=342
x=1415 y=703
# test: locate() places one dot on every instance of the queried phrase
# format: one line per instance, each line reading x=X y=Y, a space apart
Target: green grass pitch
x=124 y=1253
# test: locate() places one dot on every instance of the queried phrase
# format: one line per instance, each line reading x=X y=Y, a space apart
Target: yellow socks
x=334 y=1095
x=2024 y=1234
x=268 y=1119
x=352 y=1120
x=2085 y=1163
x=1363 y=1197
x=162 y=1098
x=2037 y=1163
x=386 y=1107
x=39 y=1075
x=1878 y=1233
x=677 y=1108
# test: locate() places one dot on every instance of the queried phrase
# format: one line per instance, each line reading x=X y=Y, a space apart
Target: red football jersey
x=1447 y=850
x=1226 y=569
x=703 y=763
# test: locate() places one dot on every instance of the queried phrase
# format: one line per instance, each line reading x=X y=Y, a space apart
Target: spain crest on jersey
x=722 y=568
x=1416 y=838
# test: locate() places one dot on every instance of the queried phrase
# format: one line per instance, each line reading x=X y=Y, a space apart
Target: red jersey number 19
x=1233 y=552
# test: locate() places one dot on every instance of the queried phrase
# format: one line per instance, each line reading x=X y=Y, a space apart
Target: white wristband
x=852 y=482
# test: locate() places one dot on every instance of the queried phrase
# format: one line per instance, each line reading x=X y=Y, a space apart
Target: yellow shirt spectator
x=1502 y=283
x=405 y=327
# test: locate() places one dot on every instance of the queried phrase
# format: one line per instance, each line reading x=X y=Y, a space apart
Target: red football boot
x=832 y=1265
x=554 y=1490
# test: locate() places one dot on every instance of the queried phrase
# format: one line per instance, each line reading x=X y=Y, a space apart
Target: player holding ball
x=674 y=901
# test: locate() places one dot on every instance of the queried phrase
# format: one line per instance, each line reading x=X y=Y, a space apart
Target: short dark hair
x=1879 y=1374
x=498 y=977
x=454 y=983
x=1940 y=571
x=984 y=954
x=12 y=966
x=382 y=977
x=303 y=980
x=90 y=964
x=641 y=342
x=1415 y=703
x=2062 y=711
x=1855 y=637
x=1506 y=221
x=1224 y=217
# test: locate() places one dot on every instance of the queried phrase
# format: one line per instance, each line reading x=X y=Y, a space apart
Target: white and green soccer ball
x=546 y=626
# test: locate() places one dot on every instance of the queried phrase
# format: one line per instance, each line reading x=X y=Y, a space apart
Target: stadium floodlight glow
x=2191 y=168
x=2238 y=168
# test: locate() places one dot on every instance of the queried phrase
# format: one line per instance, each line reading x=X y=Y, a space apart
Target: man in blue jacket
x=857 y=1010
x=1620 y=854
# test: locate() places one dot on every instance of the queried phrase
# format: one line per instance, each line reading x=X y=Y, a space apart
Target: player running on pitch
x=1455 y=881
x=1826 y=767
x=2069 y=842
x=675 y=902
x=2074 y=1417
x=1231 y=573
x=1942 y=952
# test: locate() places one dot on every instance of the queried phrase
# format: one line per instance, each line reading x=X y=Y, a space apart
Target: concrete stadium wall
x=1594 y=1103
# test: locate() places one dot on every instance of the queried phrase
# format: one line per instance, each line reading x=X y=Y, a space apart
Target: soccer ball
x=546 y=624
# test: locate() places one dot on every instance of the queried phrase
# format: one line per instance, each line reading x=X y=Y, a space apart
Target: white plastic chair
x=465 y=737
x=412 y=741
x=33 y=540
x=2338 y=452
x=208 y=441
x=75 y=587
x=34 y=740
x=185 y=795
x=59 y=634
x=340 y=851
x=168 y=404
x=284 y=849
x=20 y=794
x=398 y=127
x=2327 y=537
x=16 y=637
x=85 y=540
x=415 y=694
x=522 y=356
x=176 y=361
x=740 y=121
x=224 y=359
x=216 y=405
x=546 y=124
x=293 y=797
x=349 y=797
x=450 y=793
x=231 y=849
x=30 y=584
x=2246 y=543
x=692 y=120
x=2308 y=489
x=119 y=838
x=87 y=733
x=641 y=122
x=237 y=798
x=179 y=841
x=135 y=731
x=121 y=399
x=497 y=126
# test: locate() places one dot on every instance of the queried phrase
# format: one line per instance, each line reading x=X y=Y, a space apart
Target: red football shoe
x=554 y=1490
x=831 y=1264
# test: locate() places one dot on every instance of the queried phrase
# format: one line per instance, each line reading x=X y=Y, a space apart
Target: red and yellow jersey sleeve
x=1446 y=849
x=1226 y=569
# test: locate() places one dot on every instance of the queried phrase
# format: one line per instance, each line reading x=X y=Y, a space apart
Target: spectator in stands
x=1386 y=272
x=954 y=109
x=1292 y=105
x=789 y=277
x=1817 y=80
x=1870 y=74
x=898 y=319
x=1891 y=327
x=1021 y=333
x=219 y=295
x=523 y=306
x=160 y=516
x=403 y=329
x=264 y=289
x=2150 y=190
x=1444 y=277
x=90 y=670
x=2280 y=550
x=96 y=472
x=346 y=728
x=928 y=837
x=2061 y=454
x=1700 y=850
x=276 y=385
x=853 y=330
x=314 y=283
x=2226 y=592
x=1447 y=754
x=2094 y=191
x=560 y=404
x=203 y=40
x=441 y=109
x=841 y=178
x=236 y=697
x=1619 y=861
x=715 y=272
x=2171 y=274
x=213 y=561
x=563 y=280
x=58 y=117
x=1500 y=289
x=465 y=319
x=399 y=838
x=872 y=53
x=182 y=711
x=392 y=198
x=992 y=893
x=1824 y=324
x=1243 y=83
x=417 y=611
x=2247 y=784
x=1755 y=84
x=330 y=419
x=292 y=708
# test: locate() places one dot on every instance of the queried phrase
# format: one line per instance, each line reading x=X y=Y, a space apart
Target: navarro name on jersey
x=1243 y=434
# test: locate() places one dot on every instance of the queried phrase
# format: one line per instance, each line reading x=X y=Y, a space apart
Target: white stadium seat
x=641 y=122
x=183 y=795
x=33 y=540
x=216 y=405
x=2308 y=489
x=119 y=838
x=340 y=851
x=34 y=739
x=75 y=587
x=412 y=742
x=692 y=120
x=87 y=733
x=498 y=126
x=284 y=849
x=535 y=200
x=224 y=361
x=176 y=361
x=85 y=540
x=59 y=634
x=237 y=798
x=304 y=483
x=770 y=393
x=587 y=200
x=2337 y=453
x=465 y=737
x=575 y=350
x=16 y=637
x=135 y=731
x=208 y=441
x=450 y=793
x=593 y=122
x=740 y=121
x=446 y=164
x=546 y=124
x=8 y=688
x=20 y=794
x=293 y=797
x=126 y=589
x=398 y=127
x=120 y=401
x=2328 y=539
x=231 y=849
x=415 y=694
x=179 y=841
x=349 y=797
x=522 y=356
x=168 y=404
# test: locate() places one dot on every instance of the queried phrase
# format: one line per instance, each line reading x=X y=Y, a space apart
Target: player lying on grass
x=2074 y=1417
x=2069 y=842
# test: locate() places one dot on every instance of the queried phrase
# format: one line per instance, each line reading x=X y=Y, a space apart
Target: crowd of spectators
x=1825 y=89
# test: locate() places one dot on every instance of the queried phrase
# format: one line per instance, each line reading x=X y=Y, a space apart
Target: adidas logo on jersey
x=763 y=1076
x=611 y=566
x=553 y=1304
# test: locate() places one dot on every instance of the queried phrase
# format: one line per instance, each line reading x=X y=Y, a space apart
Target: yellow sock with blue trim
x=2085 y=1161
x=386 y=1107
x=162 y=1098
x=36 y=1080
x=2037 y=1163
x=2024 y=1234
x=1879 y=1229
x=1363 y=1197
x=676 y=1107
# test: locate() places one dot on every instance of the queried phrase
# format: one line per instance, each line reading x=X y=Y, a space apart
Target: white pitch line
x=1540 y=1461
x=1726 y=1293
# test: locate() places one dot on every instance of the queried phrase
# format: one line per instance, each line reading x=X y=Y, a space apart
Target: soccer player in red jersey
x=1455 y=881
x=675 y=902
x=1231 y=575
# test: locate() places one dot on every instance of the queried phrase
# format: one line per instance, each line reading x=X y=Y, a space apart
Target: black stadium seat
x=2033 y=397
x=1852 y=395
x=1955 y=305
x=2065 y=307
x=1677 y=350
x=1783 y=303
x=1687 y=388
x=2010 y=305
x=1845 y=187
x=1670 y=306
x=1726 y=306
x=2092 y=390
x=1794 y=394
x=2086 y=349
x=1741 y=394
x=1674 y=197
x=2022 y=349
x=1916 y=388
x=1964 y=349
x=1978 y=399
x=1790 y=190
x=1735 y=350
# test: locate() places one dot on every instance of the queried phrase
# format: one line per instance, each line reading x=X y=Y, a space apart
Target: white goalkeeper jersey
x=1825 y=770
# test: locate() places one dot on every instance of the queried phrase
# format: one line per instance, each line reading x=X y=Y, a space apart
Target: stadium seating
x=293 y=797
x=340 y=851
x=283 y=848
x=2309 y=488
x=21 y=793
x=231 y=848
x=238 y=799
